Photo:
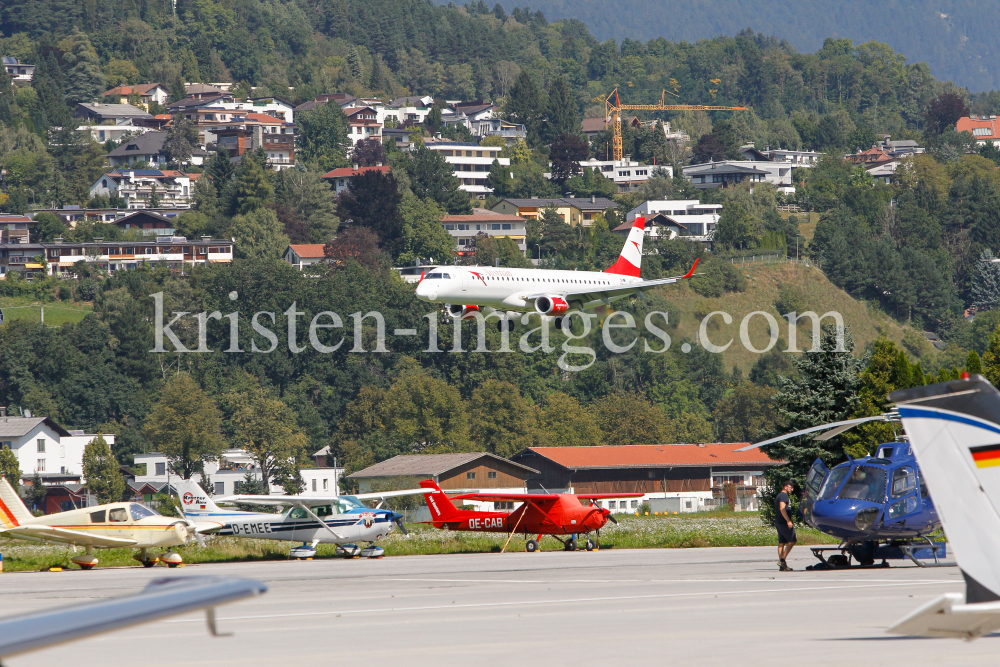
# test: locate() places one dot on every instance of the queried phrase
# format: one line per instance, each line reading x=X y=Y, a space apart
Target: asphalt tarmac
x=641 y=607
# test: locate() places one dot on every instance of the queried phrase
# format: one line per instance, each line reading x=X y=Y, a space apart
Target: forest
x=917 y=249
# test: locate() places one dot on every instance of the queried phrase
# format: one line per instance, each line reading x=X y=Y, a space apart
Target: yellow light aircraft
x=115 y=525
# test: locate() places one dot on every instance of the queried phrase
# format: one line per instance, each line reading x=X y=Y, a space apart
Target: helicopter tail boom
x=954 y=430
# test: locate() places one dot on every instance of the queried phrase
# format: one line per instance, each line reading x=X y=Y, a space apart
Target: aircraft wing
x=64 y=535
x=202 y=527
x=947 y=616
x=313 y=500
x=606 y=293
x=523 y=497
x=161 y=598
x=388 y=494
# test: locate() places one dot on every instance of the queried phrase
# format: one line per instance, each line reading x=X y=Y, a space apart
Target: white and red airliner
x=467 y=289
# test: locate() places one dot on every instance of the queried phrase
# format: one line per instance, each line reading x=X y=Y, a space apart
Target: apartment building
x=465 y=228
x=147 y=188
x=471 y=163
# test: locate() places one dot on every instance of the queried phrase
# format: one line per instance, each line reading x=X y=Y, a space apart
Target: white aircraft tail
x=630 y=259
x=194 y=499
x=954 y=430
x=12 y=509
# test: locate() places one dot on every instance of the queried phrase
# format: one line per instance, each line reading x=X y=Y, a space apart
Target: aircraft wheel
x=85 y=567
x=531 y=546
x=590 y=544
x=172 y=564
x=148 y=563
x=557 y=322
x=571 y=544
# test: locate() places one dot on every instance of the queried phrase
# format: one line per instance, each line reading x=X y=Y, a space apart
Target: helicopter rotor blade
x=846 y=424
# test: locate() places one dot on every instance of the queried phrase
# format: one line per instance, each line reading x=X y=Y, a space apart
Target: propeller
x=832 y=429
x=398 y=520
x=611 y=518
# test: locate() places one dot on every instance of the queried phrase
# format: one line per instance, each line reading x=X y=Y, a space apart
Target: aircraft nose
x=426 y=291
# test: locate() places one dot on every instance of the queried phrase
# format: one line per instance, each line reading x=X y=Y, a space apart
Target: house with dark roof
x=454 y=473
x=41 y=445
x=15 y=228
x=19 y=72
x=728 y=173
x=112 y=114
x=147 y=147
x=151 y=224
x=696 y=476
x=574 y=210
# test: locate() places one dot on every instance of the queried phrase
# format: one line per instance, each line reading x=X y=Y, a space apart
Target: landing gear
x=570 y=544
x=143 y=557
x=557 y=322
x=531 y=546
x=590 y=544
x=86 y=561
x=171 y=558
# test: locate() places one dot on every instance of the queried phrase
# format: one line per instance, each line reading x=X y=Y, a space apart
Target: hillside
x=813 y=290
x=955 y=37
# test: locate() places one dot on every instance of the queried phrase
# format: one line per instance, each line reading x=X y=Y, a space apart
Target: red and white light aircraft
x=467 y=289
x=539 y=514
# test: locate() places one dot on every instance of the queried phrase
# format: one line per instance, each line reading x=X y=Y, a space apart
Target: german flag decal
x=986 y=456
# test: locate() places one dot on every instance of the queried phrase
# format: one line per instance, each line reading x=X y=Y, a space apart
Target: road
x=667 y=606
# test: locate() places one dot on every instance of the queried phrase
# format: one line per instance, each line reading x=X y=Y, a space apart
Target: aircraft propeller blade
x=402 y=528
x=612 y=519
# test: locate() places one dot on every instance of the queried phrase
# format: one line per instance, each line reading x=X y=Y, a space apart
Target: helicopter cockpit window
x=903 y=481
x=837 y=476
x=865 y=483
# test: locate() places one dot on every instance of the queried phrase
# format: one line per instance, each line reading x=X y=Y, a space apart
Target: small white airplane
x=954 y=430
x=114 y=525
x=467 y=289
x=312 y=520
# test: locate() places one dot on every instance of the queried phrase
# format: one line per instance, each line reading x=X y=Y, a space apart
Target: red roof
x=987 y=127
x=308 y=249
x=347 y=172
x=264 y=118
x=655 y=456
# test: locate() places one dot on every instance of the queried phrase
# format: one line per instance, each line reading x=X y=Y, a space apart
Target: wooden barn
x=453 y=472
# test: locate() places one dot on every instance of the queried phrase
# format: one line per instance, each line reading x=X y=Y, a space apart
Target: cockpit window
x=446 y=276
x=903 y=481
x=117 y=514
x=298 y=513
x=348 y=503
x=140 y=512
x=432 y=276
x=865 y=483
x=837 y=476
x=322 y=510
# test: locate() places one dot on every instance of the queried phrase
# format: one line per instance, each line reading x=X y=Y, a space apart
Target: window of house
x=495 y=226
x=236 y=487
x=161 y=468
x=41 y=465
x=635 y=503
x=470 y=475
x=314 y=485
x=41 y=445
x=326 y=485
x=505 y=225
x=491 y=475
x=220 y=488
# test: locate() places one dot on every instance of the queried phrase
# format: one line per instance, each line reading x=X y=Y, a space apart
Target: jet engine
x=459 y=311
x=551 y=305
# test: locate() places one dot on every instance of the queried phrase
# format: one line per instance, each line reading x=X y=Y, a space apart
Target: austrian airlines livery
x=466 y=289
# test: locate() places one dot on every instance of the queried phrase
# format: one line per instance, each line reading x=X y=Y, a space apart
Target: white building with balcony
x=465 y=228
x=19 y=72
x=177 y=251
x=147 y=188
x=627 y=174
x=43 y=446
x=471 y=163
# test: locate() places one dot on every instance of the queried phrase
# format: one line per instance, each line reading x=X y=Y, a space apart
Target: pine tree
x=986 y=282
x=378 y=81
x=560 y=112
x=355 y=65
x=826 y=390
x=253 y=190
x=84 y=80
x=918 y=378
x=902 y=376
x=524 y=105
x=973 y=364
x=100 y=469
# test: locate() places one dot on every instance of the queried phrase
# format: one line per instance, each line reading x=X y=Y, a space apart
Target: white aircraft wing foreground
x=954 y=430
x=161 y=598
x=312 y=500
x=67 y=536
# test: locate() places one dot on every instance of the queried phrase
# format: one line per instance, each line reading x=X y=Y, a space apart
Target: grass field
x=56 y=314
x=709 y=529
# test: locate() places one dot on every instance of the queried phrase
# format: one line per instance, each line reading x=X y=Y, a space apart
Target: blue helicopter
x=878 y=506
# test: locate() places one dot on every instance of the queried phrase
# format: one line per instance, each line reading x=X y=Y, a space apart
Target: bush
x=88 y=289
x=720 y=277
x=790 y=300
x=65 y=294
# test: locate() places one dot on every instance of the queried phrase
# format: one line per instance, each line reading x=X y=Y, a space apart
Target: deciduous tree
x=268 y=430
x=100 y=469
x=185 y=424
x=500 y=419
x=9 y=466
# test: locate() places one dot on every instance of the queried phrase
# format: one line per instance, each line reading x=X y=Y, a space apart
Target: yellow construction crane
x=615 y=108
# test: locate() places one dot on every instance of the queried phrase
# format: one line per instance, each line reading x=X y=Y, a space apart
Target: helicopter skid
x=918 y=553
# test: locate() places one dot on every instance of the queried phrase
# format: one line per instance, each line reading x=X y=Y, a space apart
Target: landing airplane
x=113 y=525
x=540 y=514
x=954 y=429
x=312 y=520
x=467 y=289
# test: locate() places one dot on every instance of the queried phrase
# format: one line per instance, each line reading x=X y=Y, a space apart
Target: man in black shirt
x=783 y=522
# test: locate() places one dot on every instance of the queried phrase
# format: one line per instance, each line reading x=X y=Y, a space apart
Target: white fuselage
x=296 y=525
x=514 y=289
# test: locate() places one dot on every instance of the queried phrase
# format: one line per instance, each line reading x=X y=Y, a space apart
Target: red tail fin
x=438 y=503
x=630 y=259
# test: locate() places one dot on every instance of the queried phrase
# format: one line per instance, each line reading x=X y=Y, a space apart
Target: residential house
x=177 y=252
x=574 y=210
x=363 y=124
x=19 y=72
x=901 y=148
x=627 y=174
x=413 y=109
x=465 y=228
x=795 y=158
x=15 y=228
x=109 y=114
x=72 y=214
x=141 y=187
x=471 y=163
x=872 y=156
x=301 y=255
x=340 y=179
x=469 y=115
x=147 y=147
x=41 y=445
x=732 y=172
x=322 y=479
x=225 y=476
x=592 y=127
x=495 y=127
x=244 y=133
x=471 y=472
x=116 y=133
x=689 y=216
x=278 y=107
x=201 y=91
x=399 y=135
x=691 y=477
x=658 y=226
x=150 y=223
x=146 y=92
x=983 y=128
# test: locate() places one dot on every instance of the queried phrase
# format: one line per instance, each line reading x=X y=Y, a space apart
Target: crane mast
x=615 y=108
